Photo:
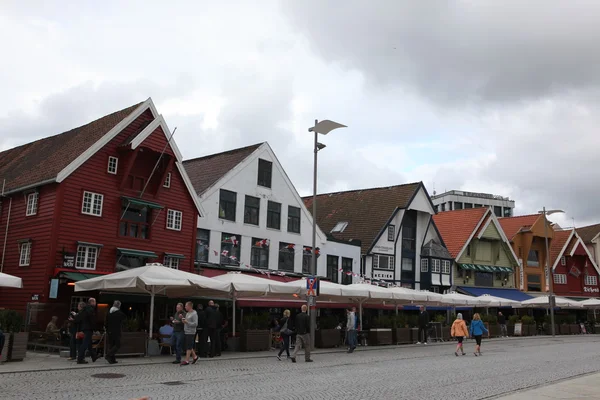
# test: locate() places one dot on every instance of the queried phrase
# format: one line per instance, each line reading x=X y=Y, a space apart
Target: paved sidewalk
x=585 y=387
x=51 y=362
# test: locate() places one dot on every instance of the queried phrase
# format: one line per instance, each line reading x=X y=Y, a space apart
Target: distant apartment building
x=459 y=200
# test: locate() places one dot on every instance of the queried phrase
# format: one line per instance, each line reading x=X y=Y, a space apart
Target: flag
x=225 y=253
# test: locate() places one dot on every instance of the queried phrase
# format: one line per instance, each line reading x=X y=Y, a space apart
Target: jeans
x=302 y=341
x=352 y=339
x=86 y=344
x=285 y=346
x=177 y=341
x=114 y=344
x=73 y=344
x=503 y=331
x=424 y=330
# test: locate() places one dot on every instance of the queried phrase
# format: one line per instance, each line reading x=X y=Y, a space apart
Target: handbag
x=79 y=335
x=284 y=330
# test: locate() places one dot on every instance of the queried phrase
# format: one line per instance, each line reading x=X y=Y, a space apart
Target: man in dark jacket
x=302 y=328
x=86 y=320
x=74 y=344
x=423 y=325
x=113 y=325
x=211 y=325
x=202 y=347
x=219 y=332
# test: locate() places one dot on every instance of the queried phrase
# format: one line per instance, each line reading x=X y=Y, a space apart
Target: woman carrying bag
x=459 y=331
x=285 y=332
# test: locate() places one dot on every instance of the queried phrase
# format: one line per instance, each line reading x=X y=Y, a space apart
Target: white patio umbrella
x=497 y=301
x=327 y=290
x=364 y=292
x=591 y=303
x=155 y=279
x=7 y=280
x=544 y=302
x=457 y=299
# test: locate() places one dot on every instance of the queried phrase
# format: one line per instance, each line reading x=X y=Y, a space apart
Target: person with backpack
x=286 y=333
x=476 y=330
x=459 y=331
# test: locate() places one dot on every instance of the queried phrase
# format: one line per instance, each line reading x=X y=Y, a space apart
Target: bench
x=48 y=340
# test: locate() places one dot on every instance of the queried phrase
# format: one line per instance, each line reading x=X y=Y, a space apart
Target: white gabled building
x=249 y=202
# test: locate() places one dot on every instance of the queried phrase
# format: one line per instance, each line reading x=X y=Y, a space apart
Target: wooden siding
x=575 y=285
x=491 y=232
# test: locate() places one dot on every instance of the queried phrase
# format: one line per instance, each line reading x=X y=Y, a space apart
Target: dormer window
x=339 y=227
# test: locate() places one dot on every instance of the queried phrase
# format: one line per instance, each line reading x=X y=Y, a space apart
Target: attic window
x=112 y=165
x=563 y=261
x=339 y=227
x=167 y=182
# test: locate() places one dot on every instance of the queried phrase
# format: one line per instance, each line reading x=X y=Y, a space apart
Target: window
x=391 y=233
x=92 y=204
x=500 y=276
x=167 y=182
x=24 y=254
x=332 y=268
x=498 y=211
x=443 y=206
x=202 y=243
x=227 y=204
x=534 y=283
x=408 y=269
x=563 y=261
x=86 y=257
x=458 y=206
x=484 y=279
x=383 y=262
x=135 y=222
x=591 y=280
x=259 y=254
x=230 y=249
x=435 y=208
x=445 y=267
x=507 y=212
x=112 y=165
x=449 y=206
x=273 y=215
x=346 y=271
x=293 y=219
x=435 y=265
x=126 y=262
x=32 y=203
x=174 y=220
x=409 y=231
x=171 y=262
x=468 y=205
x=251 y=210
x=532 y=259
x=424 y=265
x=286 y=257
x=435 y=289
x=265 y=172
x=339 y=227
x=307 y=259
x=560 y=279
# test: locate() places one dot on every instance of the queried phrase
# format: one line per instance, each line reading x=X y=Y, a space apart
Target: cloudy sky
x=498 y=97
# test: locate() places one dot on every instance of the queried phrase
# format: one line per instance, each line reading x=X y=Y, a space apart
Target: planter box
x=327 y=338
x=574 y=329
x=233 y=344
x=414 y=335
x=255 y=340
x=16 y=346
x=510 y=330
x=379 y=337
x=446 y=333
x=401 y=336
x=564 y=329
x=133 y=343
x=494 y=330
x=531 y=330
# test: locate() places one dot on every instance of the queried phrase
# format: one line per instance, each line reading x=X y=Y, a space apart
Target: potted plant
x=133 y=339
x=381 y=331
x=445 y=330
x=255 y=334
x=491 y=322
x=400 y=330
x=548 y=326
x=529 y=328
x=15 y=346
x=327 y=336
x=573 y=327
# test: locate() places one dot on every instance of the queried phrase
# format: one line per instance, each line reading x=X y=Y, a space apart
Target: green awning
x=77 y=276
x=136 y=253
x=466 y=266
x=142 y=203
x=173 y=255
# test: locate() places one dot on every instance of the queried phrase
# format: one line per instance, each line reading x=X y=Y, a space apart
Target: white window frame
x=167 y=182
x=24 y=254
x=110 y=168
x=435 y=289
x=174 y=219
x=424 y=265
x=435 y=266
x=591 y=280
x=339 y=227
x=90 y=257
x=446 y=267
x=377 y=262
x=32 y=204
x=560 y=279
x=171 y=262
x=93 y=197
x=563 y=261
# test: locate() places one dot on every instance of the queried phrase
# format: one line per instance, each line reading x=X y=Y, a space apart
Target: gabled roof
x=458 y=227
x=559 y=246
x=513 y=225
x=588 y=233
x=41 y=161
x=367 y=211
x=205 y=171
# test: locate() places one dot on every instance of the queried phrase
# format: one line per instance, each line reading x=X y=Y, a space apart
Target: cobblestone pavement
x=400 y=373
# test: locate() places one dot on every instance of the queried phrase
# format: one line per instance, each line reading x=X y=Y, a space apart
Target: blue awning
x=510 y=294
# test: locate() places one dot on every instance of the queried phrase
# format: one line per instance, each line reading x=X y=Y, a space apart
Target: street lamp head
x=325 y=126
x=550 y=212
x=320 y=146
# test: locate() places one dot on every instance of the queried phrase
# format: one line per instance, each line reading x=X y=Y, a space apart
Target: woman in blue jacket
x=476 y=330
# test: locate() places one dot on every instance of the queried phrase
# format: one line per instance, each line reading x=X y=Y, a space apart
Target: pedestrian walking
x=351 y=329
x=286 y=333
x=502 y=323
x=86 y=320
x=114 y=325
x=423 y=325
x=178 y=337
x=190 y=322
x=74 y=343
x=302 y=327
x=476 y=330
x=459 y=331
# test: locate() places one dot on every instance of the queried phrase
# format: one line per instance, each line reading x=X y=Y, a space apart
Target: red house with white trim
x=574 y=269
x=107 y=196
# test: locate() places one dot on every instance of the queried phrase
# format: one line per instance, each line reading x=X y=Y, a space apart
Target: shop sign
x=547 y=273
x=588 y=289
x=382 y=275
x=521 y=275
x=383 y=249
x=69 y=260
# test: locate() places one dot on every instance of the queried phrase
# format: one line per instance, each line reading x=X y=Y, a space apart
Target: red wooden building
x=107 y=196
x=574 y=270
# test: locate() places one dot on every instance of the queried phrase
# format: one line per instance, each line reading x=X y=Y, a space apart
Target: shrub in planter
x=381 y=332
x=15 y=346
x=255 y=335
x=529 y=327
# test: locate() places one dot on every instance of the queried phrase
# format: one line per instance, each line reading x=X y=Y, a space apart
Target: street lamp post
x=548 y=273
x=323 y=127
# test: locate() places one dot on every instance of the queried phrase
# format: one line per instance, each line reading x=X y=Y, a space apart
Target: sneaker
x=176 y=362
x=456 y=353
x=308 y=361
x=475 y=354
x=293 y=359
x=464 y=354
x=194 y=360
x=184 y=363
x=425 y=343
x=418 y=342
x=278 y=358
